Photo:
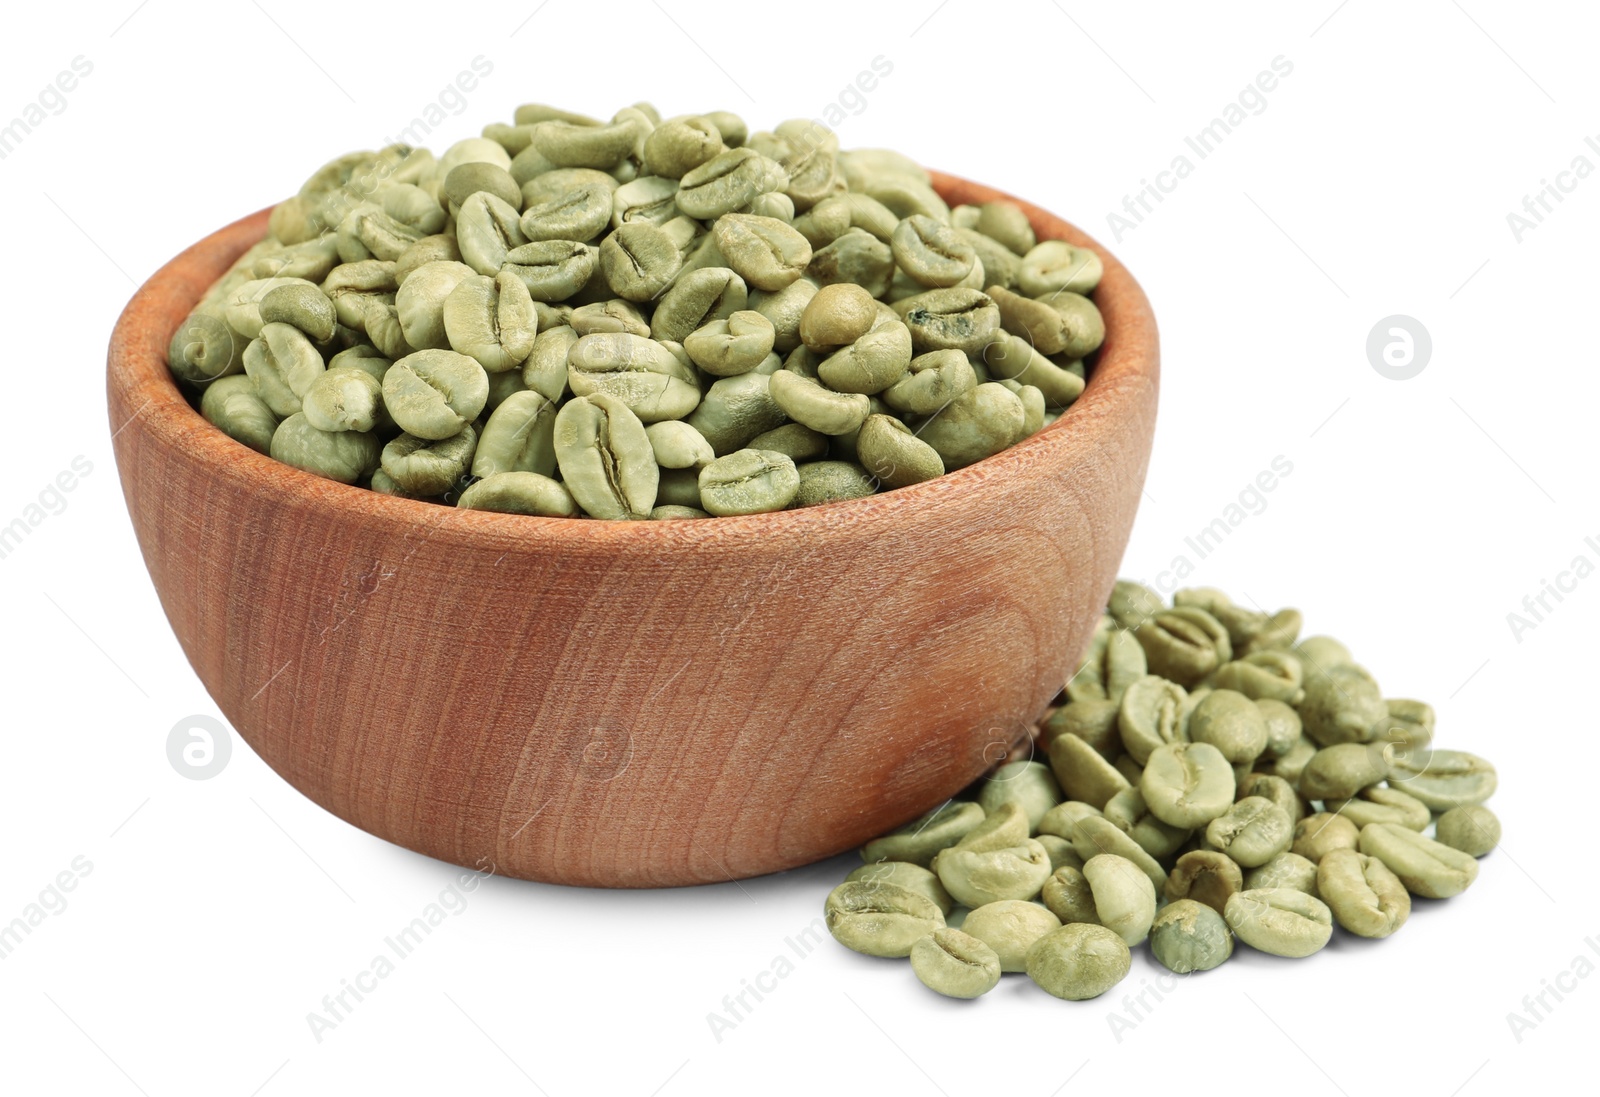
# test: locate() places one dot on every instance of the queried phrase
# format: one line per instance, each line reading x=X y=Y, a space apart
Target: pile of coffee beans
x=639 y=318
x=1212 y=778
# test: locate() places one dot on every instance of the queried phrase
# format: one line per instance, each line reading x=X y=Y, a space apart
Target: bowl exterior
x=630 y=704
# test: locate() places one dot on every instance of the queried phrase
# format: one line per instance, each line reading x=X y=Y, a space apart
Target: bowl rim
x=138 y=375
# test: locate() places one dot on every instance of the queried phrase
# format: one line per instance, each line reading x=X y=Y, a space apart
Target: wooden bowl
x=630 y=704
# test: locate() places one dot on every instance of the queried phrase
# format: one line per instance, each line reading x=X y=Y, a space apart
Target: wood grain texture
x=630 y=704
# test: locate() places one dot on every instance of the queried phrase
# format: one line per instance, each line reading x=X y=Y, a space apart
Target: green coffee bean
x=975 y=425
x=345 y=456
x=736 y=409
x=488 y=229
x=1187 y=784
x=1055 y=266
x=1275 y=789
x=1262 y=675
x=428 y=467
x=545 y=370
x=930 y=252
x=995 y=860
x=1283 y=726
x=1473 y=829
x=1292 y=763
x=518 y=437
x=605 y=457
x=889 y=450
x=430 y=249
x=1128 y=811
x=1095 y=722
x=1380 y=804
x=798 y=443
x=748 y=481
x=1124 y=897
x=677 y=445
x=677 y=147
x=727 y=182
x=933 y=380
x=832 y=482
x=880 y=919
x=1184 y=644
x=727 y=348
x=837 y=315
x=232 y=405
x=1063 y=819
x=911 y=877
x=303 y=306
x=1148 y=713
x=343 y=399
x=1062 y=854
x=1093 y=835
x=1079 y=961
x=1188 y=936
x=1010 y=927
x=1083 y=771
x=434 y=394
x=1286 y=870
x=1012 y=359
x=1443 y=779
x=519 y=493
x=1340 y=771
x=872 y=363
x=1067 y=894
x=1280 y=921
x=955 y=964
x=575 y=145
x=465 y=180
x=668 y=511
x=1322 y=833
x=1132 y=604
x=807 y=402
x=1366 y=898
x=610 y=317
x=1232 y=723
x=857 y=257
x=491 y=320
x=767 y=253
x=1205 y=876
x=283 y=364
x=554 y=270
x=1253 y=831
x=1030 y=785
x=920 y=839
x=419 y=303
x=1407 y=723
x=655 y=381
x=1426 y=867
x=1341 y=706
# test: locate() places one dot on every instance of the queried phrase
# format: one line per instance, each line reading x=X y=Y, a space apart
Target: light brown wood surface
x=630 y=704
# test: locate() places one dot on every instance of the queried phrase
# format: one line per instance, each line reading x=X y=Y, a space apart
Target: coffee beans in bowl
x=1213 y=780
x=514 y=324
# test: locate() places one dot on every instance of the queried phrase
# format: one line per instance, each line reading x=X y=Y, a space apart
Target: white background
x=217 y=914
